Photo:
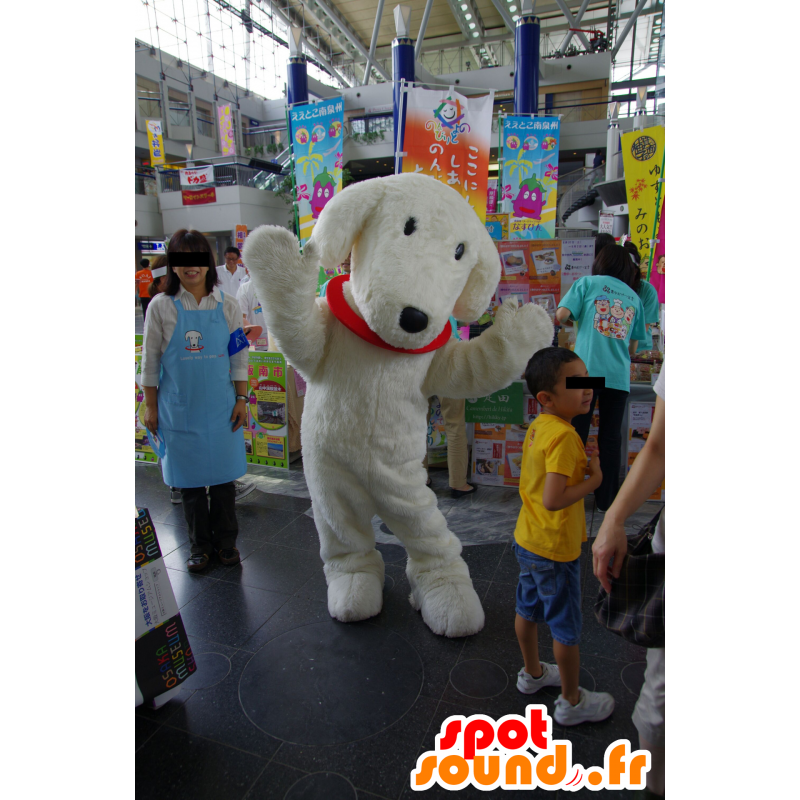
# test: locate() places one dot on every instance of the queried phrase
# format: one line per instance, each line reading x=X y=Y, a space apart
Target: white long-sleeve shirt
x=162 y=317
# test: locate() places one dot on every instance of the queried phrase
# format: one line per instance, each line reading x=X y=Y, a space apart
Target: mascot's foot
x=353 y=596
x=447 y=600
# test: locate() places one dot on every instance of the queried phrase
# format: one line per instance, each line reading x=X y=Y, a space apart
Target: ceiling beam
x=350 y=35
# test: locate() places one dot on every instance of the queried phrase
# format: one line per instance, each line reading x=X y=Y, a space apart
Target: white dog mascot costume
x=372 y=355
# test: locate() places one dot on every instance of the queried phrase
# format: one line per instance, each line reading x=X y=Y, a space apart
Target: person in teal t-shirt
x=610 y=319
x=647 y=294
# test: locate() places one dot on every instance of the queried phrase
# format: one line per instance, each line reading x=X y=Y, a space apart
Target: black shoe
x=457 y=493
x=229 y=556
x=197 y=562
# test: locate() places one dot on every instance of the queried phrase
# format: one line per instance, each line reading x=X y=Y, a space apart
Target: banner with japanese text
x=226 y=137
x=643 y=159
x=317 y=131
x=239 y=237
x=265 y=439
x=530 y=175
x=197 y=177
x=155 y=142
x=448 y=136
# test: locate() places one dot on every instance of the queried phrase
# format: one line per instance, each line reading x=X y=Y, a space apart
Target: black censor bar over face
x=187 y=259
x=586 y=383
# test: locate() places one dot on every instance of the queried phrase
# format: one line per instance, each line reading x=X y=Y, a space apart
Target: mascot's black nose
x=412 y=320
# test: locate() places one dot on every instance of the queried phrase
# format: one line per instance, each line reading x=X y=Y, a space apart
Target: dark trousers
x=215 y=529
x=609 y=440
x=145 y=301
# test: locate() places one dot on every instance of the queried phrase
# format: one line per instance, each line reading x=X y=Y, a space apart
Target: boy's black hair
x=233 y=250
x=541 y=374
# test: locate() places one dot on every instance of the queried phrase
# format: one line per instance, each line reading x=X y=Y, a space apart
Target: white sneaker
x=243 y=489
x=529 y=685
x=592 y=707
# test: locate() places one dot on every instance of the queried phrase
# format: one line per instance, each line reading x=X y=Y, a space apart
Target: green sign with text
x=503 y=407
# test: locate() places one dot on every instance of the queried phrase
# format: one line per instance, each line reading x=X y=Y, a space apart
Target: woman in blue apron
x=194 y=375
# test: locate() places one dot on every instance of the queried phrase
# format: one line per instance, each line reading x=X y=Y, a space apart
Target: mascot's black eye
x=411 y=226
x=459 y=252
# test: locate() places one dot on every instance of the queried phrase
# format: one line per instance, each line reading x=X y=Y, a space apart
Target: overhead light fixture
x=464 y=6
x=515 y=17
x=468 y=16
x=512 y=8
x=475 y=34
x=471 y=25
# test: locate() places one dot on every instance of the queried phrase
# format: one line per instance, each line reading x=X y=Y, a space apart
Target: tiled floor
x=288 y=703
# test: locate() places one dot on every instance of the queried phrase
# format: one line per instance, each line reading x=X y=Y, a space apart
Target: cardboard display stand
x=163 y=655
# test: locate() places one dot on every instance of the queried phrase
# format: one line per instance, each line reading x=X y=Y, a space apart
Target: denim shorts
x=550 y=591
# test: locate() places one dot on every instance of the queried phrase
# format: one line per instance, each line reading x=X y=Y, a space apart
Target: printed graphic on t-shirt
x=611 y=319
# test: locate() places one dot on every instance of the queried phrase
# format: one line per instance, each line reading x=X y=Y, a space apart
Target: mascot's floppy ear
x=481 y=284
x=343 y=219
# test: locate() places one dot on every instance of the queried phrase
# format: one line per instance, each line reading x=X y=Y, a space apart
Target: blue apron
x=195 y=401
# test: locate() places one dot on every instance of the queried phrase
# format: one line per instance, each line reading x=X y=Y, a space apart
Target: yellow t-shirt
x=551 y=445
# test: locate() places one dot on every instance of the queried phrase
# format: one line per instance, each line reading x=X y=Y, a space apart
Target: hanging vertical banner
x=239 y=236
x=317 y=142
x=643 y=159
x=657 y=273
x=530 y=175
x=226 y=136
x=497 y=225
x=155 y=141
x=447 y=136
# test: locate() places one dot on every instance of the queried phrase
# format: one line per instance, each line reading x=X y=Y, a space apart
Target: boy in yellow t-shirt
x=549 y=532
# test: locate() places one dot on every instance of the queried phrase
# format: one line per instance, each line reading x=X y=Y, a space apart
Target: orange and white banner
x=239 y=236
x=448 y=136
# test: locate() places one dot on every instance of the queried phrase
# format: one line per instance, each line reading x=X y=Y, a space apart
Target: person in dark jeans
x=215 y=529
x=611 y=323
x=609 y=440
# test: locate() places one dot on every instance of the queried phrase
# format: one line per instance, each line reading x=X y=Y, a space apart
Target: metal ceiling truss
x=468 y=18
x=320 y=7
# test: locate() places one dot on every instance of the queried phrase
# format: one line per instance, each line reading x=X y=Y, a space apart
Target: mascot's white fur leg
x=440 y=584
x=343 y=514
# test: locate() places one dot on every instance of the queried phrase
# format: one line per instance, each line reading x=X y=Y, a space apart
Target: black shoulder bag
x=634 y=609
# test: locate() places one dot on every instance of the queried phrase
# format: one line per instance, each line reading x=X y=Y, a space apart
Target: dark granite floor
x=288 y=703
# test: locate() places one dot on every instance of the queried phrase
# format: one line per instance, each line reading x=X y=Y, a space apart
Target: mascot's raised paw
x=446 y=598
x=527 y=329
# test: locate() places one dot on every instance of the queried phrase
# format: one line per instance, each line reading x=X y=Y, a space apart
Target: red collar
x=334 y=294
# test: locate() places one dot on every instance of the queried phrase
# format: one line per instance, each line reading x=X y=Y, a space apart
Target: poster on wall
x=144 y=452
x=643 y=159
x=531 y=272
x=265 y=439
x=226 y=137
x=577 y=256
x=497 y=225
x=317 y=131
x=640 y=420
x=448 y=136
x=155 y=142
x=530 y=175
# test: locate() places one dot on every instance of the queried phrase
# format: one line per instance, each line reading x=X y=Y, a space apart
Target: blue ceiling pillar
x=402 y=65
x=297 y=71
x=526 y=62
